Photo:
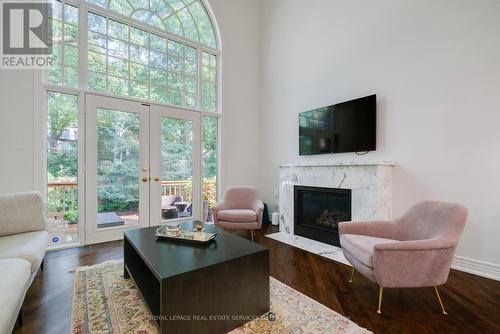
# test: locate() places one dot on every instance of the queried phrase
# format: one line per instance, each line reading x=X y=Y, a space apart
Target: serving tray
x=202 y=237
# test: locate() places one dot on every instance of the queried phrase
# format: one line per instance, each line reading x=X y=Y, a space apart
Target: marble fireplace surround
x=371 y=185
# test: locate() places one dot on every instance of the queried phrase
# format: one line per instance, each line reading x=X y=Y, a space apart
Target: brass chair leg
x=440 y=301
x=380 y=291
x=352 y=275
x=252 y=233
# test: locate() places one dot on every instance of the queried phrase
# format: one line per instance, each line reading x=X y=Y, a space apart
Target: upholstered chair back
x=433 y=220
x=241 y=197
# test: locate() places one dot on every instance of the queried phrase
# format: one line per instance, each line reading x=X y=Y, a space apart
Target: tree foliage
x=118 y=169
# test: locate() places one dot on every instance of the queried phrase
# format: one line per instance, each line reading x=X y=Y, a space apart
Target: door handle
x=157 y=178
x=145 y=179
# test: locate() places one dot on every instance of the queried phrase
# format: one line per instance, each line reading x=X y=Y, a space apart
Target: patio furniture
x=413 y=251
x=109 y=219
x=240 y=208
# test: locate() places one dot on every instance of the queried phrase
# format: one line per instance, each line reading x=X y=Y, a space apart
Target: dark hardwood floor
x=472 y=302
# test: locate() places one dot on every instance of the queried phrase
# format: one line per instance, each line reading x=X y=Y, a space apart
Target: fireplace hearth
x=318 y=210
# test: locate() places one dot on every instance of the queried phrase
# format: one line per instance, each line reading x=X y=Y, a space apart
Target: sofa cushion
x=362 y=246
x=14 y=282
x=237 y=215
x=22 y=212
x=29 y=246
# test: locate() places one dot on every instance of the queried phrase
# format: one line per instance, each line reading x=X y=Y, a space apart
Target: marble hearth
x=370 y=183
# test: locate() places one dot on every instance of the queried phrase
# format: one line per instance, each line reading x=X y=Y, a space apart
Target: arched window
x=163 y=51
x=187 y=19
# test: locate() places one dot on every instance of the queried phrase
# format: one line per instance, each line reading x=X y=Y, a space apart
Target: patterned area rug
x=105 y=302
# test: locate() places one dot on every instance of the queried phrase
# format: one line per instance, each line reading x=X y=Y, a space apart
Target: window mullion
x=198 y=79
x=82 y=46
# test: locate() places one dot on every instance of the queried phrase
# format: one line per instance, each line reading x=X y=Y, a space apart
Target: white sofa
x=23 y=242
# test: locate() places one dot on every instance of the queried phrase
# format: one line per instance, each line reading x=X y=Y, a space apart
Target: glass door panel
x=176 y=168
x=118 y=179
x=62 y=168
x=175 y=165
x=209 y=156
x=117 y=168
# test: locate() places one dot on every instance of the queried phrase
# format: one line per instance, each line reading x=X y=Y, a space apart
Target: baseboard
x=476 y=267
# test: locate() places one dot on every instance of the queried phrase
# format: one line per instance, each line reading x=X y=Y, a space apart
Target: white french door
x=117 y=167
x=175 y=164
x=142 y=166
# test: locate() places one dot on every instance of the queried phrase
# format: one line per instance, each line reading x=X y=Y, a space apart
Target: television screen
x=344 y=127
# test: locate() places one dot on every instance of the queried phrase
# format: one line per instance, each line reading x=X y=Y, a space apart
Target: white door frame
x=92 y=103
x=156 y=114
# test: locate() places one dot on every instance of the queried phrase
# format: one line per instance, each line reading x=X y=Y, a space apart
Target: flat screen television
x=343 y=127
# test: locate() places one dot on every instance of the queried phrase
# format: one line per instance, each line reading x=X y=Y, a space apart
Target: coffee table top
x=166 y=258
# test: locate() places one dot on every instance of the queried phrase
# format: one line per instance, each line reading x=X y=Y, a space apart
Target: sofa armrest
x=417 y=263
x=376 y=228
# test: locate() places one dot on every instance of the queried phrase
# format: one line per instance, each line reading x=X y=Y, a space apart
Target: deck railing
x=63 y=196
x=177 y=188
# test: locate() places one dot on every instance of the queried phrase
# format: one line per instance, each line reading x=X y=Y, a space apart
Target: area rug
x=105 y=302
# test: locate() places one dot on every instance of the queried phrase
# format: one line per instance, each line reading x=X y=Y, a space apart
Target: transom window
x=158 y=50
x=186 y=18
x=128 y=61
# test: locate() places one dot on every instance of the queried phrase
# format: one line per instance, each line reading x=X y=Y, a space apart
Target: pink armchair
x=413 y=251
x=240 y=208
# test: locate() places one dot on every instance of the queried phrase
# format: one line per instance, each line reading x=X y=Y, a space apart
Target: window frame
x=41 y=88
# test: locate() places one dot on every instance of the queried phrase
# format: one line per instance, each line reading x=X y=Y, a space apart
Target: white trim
x=477 y=267
x=39 y=142
x=77 y=91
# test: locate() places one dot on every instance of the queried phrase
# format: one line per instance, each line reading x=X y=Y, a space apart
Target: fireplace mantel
x=340 y=164
x=370 y=182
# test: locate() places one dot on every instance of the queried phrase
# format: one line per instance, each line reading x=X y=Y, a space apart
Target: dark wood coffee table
x=191 y=288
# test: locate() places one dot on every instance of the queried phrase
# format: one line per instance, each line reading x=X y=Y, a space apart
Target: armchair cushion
x=29 y=246
x=362 y=247
x=22 y=212
x=237 y=215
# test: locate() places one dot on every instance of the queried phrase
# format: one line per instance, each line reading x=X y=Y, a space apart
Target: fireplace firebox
x=318 y=211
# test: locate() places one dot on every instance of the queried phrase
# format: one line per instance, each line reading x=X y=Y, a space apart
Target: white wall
x=435 y=67
x=16 y=130
x=239 y=27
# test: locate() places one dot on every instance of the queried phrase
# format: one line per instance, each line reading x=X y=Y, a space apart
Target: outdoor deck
x=63 y=208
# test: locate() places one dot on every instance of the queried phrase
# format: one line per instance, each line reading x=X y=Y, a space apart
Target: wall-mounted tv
x=343 y=127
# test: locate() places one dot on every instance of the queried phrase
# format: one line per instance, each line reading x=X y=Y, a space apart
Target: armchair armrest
x=416 y=245
x=376 y=228
x=412 y=264
x=259 y=208
x=221 y=205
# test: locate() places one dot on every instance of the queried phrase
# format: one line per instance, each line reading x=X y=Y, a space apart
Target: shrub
x=71 y=217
